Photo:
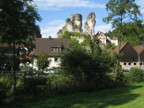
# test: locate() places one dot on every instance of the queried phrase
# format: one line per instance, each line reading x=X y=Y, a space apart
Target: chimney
x=50 y=37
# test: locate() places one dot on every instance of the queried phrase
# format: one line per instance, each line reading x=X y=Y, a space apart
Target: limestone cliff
x=90 y=24
x=73 y=24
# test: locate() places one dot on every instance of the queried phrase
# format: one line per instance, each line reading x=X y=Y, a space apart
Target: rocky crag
x=74 y=24
x=90 y=24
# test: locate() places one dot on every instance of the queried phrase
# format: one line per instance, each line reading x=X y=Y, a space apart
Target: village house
x=104 y=39
x=53 y=47
x=140 y=51
x=101 y=36
x=114 y=40
x=130 y=57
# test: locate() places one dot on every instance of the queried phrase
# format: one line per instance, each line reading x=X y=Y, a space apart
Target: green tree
x=17 y=25
x=73 y=59
x=68 y=34
x=83 y=64
x=18 y=21
x=121 y=11
x=42 y=61
x=133 y=32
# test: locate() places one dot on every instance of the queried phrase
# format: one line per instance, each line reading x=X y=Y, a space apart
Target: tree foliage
x=42 y=61
x=68 y=34
x=18 y=24
x=18 y=21
x=132 y=33
x=121 y=11
x=5 y=87
x=136 y=75
x=82 y=64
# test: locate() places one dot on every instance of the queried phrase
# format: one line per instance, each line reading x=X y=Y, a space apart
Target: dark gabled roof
x=120 y=47
x=45 y=45
x=139 y=49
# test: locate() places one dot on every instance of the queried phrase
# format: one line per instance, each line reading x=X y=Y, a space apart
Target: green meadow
x=131 y=96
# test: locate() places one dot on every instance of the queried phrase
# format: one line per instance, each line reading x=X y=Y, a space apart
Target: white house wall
x=53 y=62
x=34 y=64
x=114 y=42
x=102 y=39
x=129 y=65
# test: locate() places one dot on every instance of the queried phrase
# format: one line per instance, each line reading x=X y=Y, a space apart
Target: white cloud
x=52 y=28
x=103 y=28
x=58 y=4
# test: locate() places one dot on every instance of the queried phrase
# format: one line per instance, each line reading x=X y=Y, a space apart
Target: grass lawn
x=124 y=97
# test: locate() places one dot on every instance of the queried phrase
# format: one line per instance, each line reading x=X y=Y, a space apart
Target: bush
x=32 y=86
x=62 y=84
x=136 y=75
x=5 y=87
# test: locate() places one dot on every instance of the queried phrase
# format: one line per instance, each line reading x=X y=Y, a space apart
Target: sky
x=55 y=12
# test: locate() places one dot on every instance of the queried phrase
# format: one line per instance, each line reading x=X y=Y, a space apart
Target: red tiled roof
x=139 y=49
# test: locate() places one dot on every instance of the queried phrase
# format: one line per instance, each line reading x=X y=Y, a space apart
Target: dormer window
x=56 y=49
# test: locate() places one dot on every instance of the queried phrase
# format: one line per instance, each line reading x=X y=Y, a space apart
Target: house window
x=59 y=49
x=124 y=63
x=56 y=49
x=129 y=63
x=53 y=49
x=140 y=63
x=134 y=63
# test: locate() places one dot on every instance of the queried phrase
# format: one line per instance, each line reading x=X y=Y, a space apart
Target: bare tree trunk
x=14 y=72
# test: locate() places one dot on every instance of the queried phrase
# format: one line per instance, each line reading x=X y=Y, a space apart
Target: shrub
x=68 y=20
x=136 y=75
x=5 y=87
x=33 y=86
x=62 y=84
